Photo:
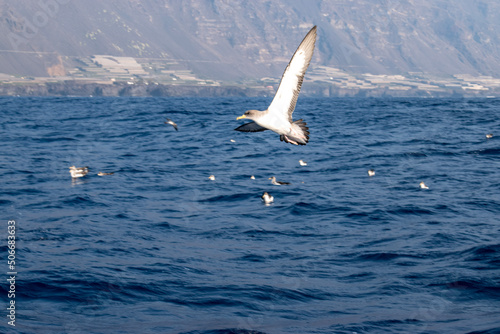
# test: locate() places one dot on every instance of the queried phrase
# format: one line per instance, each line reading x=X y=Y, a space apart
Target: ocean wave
x=158 y=247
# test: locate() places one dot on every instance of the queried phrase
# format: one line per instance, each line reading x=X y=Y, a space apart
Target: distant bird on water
x=268 y=199
x=371 y=172
x=78 y=171
x=278 y=116
x=169 y=121
x=211 y=177
x=302 y=163
x=104 y=173
x=489 y=135
x=277 y=183
x=423 y=186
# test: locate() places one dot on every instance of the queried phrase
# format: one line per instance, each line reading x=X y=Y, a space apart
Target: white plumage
x=278 y=116
x=78 y=171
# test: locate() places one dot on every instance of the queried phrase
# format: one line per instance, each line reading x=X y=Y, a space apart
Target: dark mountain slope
x=233 y=40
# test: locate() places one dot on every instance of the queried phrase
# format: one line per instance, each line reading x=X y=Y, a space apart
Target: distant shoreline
x=85 y=88
x=117 y=89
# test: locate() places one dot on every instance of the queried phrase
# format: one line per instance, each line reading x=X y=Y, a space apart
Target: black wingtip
x=250 y=127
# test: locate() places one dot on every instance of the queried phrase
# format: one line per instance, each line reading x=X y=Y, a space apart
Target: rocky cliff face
x=235 y=40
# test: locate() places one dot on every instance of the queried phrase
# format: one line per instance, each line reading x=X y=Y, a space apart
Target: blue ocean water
x=159 y=248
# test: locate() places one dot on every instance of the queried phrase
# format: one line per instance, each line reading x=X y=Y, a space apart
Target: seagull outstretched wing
x=288 y=91
x=251 y=127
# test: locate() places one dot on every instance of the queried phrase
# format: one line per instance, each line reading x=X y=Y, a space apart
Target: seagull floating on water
x=252 y=177
x=277 y=183
x=302 y=163
x=278 y=116
x=104 y=173
x=211 y=177
x=489 y=135
x=78 y=171
x=169 y=121
x=371 y=172
x=268 y=199
x=423 y=186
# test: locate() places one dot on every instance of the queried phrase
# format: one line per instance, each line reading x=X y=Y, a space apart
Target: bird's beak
x=241 y=117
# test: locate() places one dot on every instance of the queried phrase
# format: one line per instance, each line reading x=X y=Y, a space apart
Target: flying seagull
x=278 y=116
x=169 y=121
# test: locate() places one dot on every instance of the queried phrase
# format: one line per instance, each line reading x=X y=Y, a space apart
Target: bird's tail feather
x=299 y=135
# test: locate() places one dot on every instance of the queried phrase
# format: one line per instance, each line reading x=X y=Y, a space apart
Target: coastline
x=145 y=89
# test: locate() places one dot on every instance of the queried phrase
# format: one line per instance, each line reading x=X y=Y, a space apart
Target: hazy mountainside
x=232 y=40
